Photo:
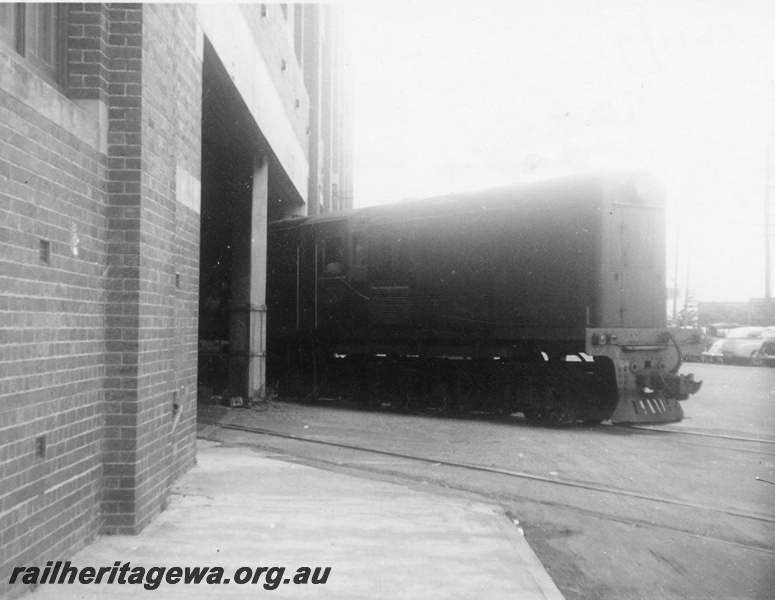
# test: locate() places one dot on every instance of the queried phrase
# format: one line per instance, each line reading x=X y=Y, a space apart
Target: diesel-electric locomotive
x=544 y=298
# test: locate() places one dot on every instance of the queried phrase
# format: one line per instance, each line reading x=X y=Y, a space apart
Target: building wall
x=152 y=296
x=99 y=341
x=325 y=65
x=52 y=335
x=238 y=34
x=270 y=29
x=100 y=210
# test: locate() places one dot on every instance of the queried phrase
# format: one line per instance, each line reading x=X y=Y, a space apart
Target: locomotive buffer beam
x=647 y=362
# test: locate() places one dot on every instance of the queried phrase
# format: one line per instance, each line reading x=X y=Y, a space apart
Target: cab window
x=333 y=257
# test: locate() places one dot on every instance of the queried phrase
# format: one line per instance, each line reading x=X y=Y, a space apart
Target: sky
x=456 y=96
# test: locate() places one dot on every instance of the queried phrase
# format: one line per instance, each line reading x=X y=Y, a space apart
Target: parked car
x=717 y=331
x=767 y=351
x=722 y=329
x=743 y=345
x=713 y=354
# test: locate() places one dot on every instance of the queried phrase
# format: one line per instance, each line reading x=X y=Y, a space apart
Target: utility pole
x=686 y=292
x=675 y=276
x=767 y=283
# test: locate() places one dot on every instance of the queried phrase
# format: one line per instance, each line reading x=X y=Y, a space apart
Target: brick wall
x=154 y=144
x=99 y=254
x=99 y=269
x=51 y=320
x=169 y=277
x=122 y=306
x=179 y=49
x=87 y=38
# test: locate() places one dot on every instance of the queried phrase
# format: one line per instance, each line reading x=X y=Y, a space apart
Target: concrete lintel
x=83 y=119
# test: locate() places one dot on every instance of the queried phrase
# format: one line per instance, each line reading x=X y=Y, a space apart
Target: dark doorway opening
x=243 y=187
x=227 y=162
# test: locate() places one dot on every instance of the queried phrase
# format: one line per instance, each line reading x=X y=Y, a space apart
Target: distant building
x=144 y=147
x=757 y=311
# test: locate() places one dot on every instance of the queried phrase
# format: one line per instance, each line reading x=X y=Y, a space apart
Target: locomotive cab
x=308 y=267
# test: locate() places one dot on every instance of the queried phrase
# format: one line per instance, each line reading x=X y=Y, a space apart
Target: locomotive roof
x=642 y=184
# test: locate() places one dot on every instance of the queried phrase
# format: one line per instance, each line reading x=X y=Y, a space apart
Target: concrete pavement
x=243 y=509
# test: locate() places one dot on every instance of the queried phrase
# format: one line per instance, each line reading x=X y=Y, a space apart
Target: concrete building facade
x=144 y=148
x=323 y=58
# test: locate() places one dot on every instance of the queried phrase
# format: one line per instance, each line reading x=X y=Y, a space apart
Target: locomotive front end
x=646 y=362
x=630 y=326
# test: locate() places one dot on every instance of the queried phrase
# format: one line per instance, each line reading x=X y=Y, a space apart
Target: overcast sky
x=455 y=96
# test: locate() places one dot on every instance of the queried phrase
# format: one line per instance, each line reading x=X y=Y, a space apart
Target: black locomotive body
x=545 y=298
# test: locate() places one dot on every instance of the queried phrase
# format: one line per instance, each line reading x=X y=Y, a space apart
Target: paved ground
x=696 y=519
x=612 y=512
x=242 y=508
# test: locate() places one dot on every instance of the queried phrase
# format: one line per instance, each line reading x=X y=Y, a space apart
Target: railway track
x=701 y=434
x=767 y=446
x=554 y=481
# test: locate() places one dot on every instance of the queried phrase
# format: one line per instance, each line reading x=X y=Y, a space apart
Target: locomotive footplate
x=647 y=364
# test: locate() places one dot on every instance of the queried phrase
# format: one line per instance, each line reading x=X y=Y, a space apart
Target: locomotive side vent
x=389 y=305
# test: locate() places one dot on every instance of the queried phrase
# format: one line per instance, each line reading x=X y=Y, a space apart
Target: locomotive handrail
x=656 y=348
x=641 y=347
x=347 y=284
